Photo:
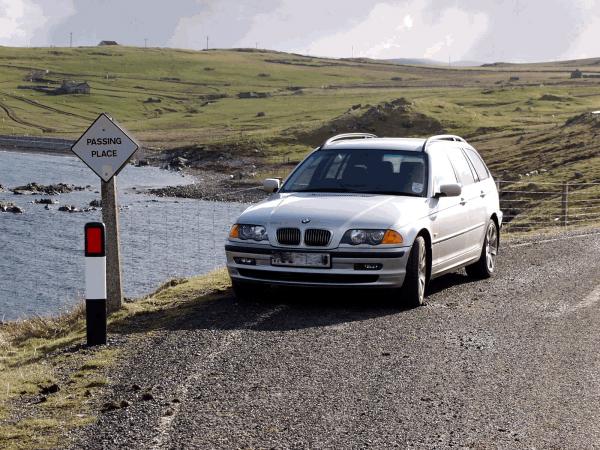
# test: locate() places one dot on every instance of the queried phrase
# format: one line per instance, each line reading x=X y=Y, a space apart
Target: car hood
x=335 y=211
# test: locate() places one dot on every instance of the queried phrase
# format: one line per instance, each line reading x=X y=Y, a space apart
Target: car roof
x=411 y=144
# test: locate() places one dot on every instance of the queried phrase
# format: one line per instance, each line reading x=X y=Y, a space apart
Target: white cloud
x=18 y=21
x=27 y=22
x=585 y=42
x=405 y=30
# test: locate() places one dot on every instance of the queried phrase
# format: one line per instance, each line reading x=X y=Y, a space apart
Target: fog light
x=244 y=261
x=368 y=266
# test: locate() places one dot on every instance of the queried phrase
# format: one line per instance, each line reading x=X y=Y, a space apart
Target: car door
x=470 y=199
x=446 y=215
x=484 y=189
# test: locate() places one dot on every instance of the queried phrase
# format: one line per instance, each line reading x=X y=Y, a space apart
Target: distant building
x=108 y=43
x=37 y=76
x=73 y=87
x=576 y=74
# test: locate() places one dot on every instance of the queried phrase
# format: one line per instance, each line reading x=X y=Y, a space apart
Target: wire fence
x=164 y=238
x=533 y=205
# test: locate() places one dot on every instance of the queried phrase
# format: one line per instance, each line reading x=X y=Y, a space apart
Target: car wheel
x=485 y=267
x=244 y=290
x=415 y=281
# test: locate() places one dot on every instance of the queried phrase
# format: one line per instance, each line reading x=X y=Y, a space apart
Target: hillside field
x=516 y=115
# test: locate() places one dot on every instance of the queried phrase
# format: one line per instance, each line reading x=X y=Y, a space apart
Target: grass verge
x=51 y=383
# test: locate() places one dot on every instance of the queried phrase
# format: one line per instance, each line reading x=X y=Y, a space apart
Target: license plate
x=295 y=259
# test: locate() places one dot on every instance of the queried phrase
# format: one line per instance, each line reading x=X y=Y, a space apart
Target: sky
x=442 y=30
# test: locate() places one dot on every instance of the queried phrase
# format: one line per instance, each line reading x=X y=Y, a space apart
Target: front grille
x=304 y=277
x=317 y=238
x=288 y=236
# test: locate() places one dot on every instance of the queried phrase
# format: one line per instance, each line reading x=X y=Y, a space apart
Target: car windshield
x=373 y=171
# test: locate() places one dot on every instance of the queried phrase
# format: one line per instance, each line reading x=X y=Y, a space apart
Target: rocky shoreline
x=223 y=172
x=51 y=190
x=221 y=192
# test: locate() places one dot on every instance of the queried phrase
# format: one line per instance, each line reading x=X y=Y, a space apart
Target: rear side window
x=461 y=166
x=478 y=164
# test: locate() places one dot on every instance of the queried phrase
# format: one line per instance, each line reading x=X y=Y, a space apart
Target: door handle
x=463 y=201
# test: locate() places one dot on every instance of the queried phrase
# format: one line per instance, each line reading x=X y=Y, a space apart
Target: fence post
x=565 y=203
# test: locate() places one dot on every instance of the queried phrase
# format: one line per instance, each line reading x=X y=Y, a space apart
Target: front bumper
x=342 y=273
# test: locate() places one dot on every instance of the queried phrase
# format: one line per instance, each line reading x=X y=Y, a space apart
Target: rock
x=52 y=189
x=146 y=396
x=254 y=95
x=578 y=175
x=124 y=404
x=260 y=114
x=179 y=162
x=96 y=203
x=136 y=387
x=50 y=389
x=45 y=201
x=110 y=406
x=12 y=209
x=175 y=400
x=69 y=208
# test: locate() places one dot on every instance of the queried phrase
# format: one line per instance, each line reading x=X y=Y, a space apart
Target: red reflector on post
x=94 y=239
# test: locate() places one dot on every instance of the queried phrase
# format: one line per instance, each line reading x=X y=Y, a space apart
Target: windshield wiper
x=406 y=194
x=322 y=190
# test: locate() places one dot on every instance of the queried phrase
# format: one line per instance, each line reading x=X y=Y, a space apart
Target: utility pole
x=206 y=42
x=256 y=45
x=71 y=39
x=145 y=42
x=353 y=51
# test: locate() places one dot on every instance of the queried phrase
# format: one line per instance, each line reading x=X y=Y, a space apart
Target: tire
x=244 y=290
x=485 y=267
x=415 y=281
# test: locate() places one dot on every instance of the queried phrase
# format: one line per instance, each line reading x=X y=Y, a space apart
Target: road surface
x=511 y=362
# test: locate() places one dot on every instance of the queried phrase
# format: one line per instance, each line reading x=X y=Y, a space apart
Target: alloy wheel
x=422 y=272
x=491 y=247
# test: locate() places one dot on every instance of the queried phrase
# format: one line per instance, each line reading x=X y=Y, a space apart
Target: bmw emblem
x=307 y=220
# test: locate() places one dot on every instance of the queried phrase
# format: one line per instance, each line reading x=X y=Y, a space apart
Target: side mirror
x=271 y=185
x=449 y=190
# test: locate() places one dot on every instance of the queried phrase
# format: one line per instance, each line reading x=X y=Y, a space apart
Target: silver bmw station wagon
x=363 y=211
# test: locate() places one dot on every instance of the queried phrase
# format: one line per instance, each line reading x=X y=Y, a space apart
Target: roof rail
x=442 y=137
x=347 y=136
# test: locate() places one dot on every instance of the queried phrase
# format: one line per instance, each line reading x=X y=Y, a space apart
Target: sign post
x=106 y=147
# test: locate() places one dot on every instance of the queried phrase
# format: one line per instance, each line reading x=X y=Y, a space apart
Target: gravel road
x=511 y=362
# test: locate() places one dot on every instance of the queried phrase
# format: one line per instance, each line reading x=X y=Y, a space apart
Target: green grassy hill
x=179 y=98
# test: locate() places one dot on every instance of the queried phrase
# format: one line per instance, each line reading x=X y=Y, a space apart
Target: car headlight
x=249 y=232
x=372 y=237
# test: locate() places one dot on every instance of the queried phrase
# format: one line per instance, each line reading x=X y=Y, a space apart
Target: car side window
x=478 y=164
x=443 y=172
x=461 y=166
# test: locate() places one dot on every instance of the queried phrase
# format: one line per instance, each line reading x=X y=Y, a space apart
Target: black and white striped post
x=95 y=283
